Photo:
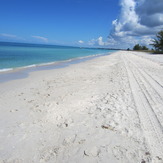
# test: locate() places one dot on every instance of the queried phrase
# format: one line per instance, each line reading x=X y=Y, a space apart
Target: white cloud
x=91 y=42
x=128 y=22
x=8 y=35
x=97 y=42
x=100 y=41
x=80 y=41
x=120 y=42
x=128 y=41
x=138 y=22
x=44 y=39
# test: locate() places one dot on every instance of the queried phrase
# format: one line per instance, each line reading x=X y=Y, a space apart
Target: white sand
x=109 y=110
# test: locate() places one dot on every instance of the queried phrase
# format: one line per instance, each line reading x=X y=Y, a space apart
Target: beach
x=106 y=110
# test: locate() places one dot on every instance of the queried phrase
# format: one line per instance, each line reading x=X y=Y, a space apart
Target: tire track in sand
x=152 y=89
x=146 y=93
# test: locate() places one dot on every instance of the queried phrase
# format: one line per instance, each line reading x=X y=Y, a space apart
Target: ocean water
x=14 y=55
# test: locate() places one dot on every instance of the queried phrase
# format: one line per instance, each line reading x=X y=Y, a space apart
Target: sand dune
x=109 y=109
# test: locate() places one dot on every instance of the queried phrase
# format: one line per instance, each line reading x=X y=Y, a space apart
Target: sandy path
x=108 y=109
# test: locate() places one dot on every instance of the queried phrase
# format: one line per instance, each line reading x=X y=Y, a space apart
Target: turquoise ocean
x=16 y=55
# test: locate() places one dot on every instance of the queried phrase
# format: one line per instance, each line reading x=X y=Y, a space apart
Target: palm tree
x=158 y=42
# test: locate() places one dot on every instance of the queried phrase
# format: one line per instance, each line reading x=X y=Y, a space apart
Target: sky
x=89 y=23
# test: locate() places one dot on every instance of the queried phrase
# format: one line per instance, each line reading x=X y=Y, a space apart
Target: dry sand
x=105 y=110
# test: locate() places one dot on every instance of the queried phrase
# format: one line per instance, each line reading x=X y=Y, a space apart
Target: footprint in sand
x=119 y=152
x=69 y=140
x=92 y=151
x=49 y=155
x=65 y=123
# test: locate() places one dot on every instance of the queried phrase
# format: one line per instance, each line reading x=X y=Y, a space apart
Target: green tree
x=128 y=49
x=144 y=48
x=158 y=42
x=137 y=47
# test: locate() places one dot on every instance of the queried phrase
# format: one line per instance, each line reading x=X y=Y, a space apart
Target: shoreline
x=95 y=111
x=23 y=72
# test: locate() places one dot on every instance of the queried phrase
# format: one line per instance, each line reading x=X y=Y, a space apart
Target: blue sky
x=60 y=21
x=81 y=22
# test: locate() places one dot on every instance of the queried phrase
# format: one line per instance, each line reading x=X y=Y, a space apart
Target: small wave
x=6 y=69
x=46 y=64
x=28 y=66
